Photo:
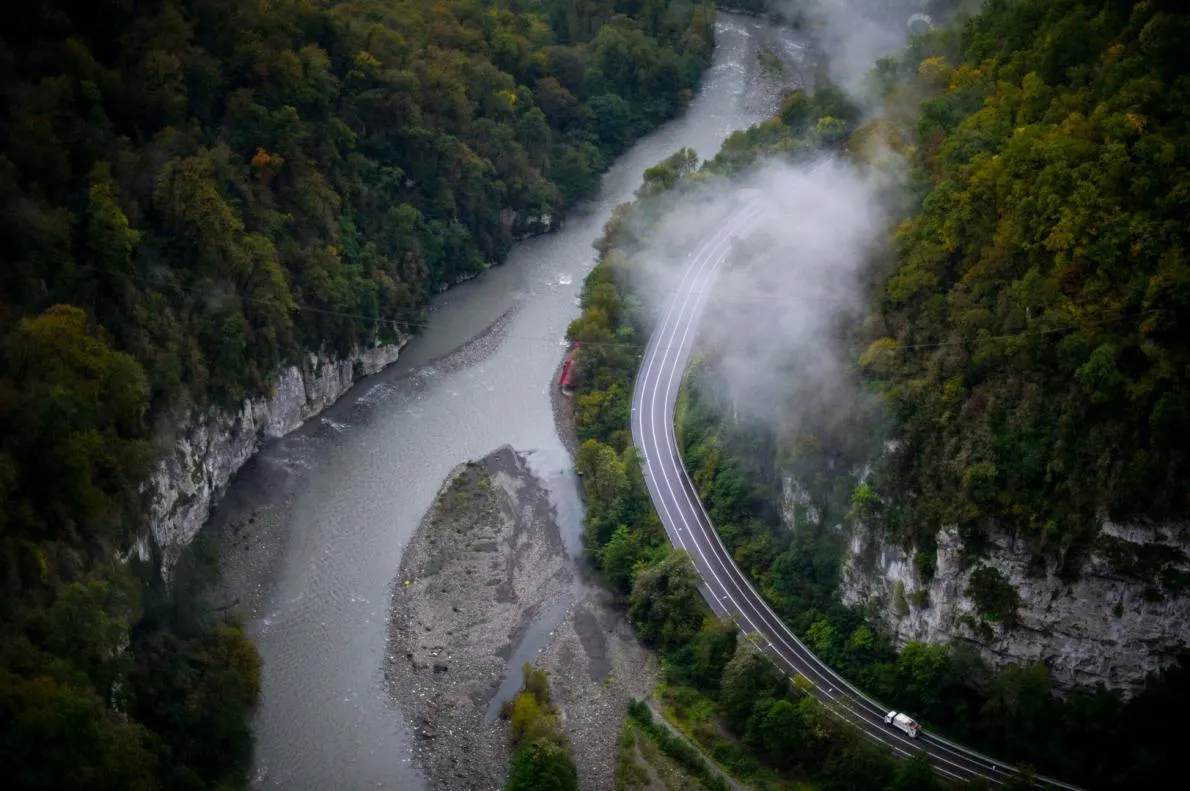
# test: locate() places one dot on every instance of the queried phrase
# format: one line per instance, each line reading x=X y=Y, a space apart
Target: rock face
x=1110 y=627
x=1124 y=617
x=212 y=446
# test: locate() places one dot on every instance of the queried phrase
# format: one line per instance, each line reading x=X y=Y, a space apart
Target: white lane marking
x=673 y=362
x=702 y=294
x=657 y=343
x=657 y=347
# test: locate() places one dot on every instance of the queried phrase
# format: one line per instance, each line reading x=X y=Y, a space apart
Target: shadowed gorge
x=875 y=373
x=195 y=194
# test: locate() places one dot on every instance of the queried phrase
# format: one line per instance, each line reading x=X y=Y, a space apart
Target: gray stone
x=212 y=446
x=1101 y=629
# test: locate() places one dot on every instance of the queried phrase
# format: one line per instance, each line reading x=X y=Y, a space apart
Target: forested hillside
x=1024 y=343
x=719 y=688
x=193 y=192
x=1032 y=333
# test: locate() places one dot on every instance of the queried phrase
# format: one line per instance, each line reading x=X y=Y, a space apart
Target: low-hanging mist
x=854 y=34
x=778 y=312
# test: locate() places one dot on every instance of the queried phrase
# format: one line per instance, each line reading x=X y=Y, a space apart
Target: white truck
x=902 y=722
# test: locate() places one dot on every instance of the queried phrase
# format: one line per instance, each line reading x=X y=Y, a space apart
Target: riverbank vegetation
x=728 y=697
x=1033 y=134
x=541 y=759
x=195 y=193
x=691 y=761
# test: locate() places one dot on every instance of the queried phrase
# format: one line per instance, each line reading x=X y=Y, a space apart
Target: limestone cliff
x=1120 y=620
x=211 y=446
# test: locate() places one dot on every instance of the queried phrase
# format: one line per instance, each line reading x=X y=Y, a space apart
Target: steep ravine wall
x=213 y=445
x=1105 y=628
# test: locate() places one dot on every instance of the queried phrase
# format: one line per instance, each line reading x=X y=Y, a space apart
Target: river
x=312 y=529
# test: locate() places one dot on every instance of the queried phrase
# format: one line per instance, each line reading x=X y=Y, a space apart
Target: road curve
x=726 y=589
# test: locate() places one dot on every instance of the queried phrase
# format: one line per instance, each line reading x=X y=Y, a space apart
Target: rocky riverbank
x=485 y=564
x=250 y=528
x=596 y=664
x=485 y=560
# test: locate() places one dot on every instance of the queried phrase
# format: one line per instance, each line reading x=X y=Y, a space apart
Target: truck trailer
x=902 y=722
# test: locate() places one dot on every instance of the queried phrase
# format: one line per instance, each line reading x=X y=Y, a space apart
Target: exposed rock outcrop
x=1112 y=626
x=211 y=446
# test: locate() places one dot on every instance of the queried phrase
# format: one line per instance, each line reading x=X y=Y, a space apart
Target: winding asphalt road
x=724 y=586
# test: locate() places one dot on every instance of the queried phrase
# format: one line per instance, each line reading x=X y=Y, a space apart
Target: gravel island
x=485 y=560
x=485 y=563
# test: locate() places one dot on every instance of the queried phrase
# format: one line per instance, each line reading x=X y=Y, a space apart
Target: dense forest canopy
x=192 y=194
x=1045 y=216
x=1032 y=333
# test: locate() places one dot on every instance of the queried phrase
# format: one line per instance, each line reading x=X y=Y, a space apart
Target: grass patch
x=676 y=748
x=693 y=714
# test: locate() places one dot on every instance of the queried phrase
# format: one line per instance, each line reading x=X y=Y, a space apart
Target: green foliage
x=855 y=763
x=726 y=696
x=994 y=597
x=700 y=662
x=938 y=353
x=943 y=387
x=749 y=676
x=80 y=743
x=916 y=773
x=665 y=604
x=542 y=766
x=197 y=192
x=525 y=712
x=1016 y=715
x=1036 y=296
x=71 y=433
x=676 y=748
x=541 y=759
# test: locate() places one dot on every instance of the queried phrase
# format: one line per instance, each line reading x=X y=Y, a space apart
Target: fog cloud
x=778 y=312
x=855 y=33
x=774 y=309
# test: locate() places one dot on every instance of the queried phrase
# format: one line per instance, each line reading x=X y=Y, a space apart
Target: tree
x=194 y=195
x=915 y=773
x=665 y=604
x=542 y=766
x=541 y=760
x=88 y=625
x=922 y=671
x=621 y=557
x=700 y=663
x=602 y=471
x=72 y=429
x=796 y=111
x=781 y=733
x=56 y=736
x=856 y=763
x=749 y=676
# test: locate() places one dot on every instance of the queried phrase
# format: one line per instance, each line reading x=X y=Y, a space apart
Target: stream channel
x=311 y=531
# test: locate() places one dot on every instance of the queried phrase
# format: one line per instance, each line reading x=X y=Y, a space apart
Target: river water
x=312 y=530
